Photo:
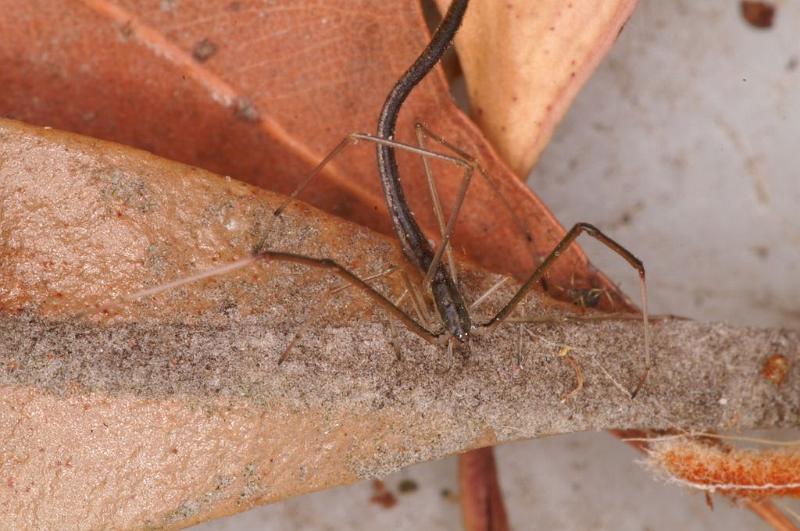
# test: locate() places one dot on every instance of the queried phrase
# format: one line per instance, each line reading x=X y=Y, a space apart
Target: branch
x=172 y=409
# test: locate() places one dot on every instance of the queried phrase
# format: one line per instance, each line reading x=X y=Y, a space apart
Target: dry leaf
x=524 y=63
x=176 y=411
x=193 y=83
x=261 y=92
x=155 y=76
x=735 y=472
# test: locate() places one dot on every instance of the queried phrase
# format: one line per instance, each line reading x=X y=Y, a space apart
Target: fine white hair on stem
x=739 y=438
x=208 y=273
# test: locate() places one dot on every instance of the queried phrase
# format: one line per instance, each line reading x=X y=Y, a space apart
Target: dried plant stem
x=184 y=384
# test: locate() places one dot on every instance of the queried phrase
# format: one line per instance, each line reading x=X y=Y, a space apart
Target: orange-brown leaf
x=524 y=62
x=261 y=92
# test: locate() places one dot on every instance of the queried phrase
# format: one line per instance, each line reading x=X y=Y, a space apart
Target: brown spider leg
x=318 y=263
x=344 y=274
x=450 y=342
x=317 y=309
x=448 y=231
x=385 y=273
x=417 y=302
x=472 y=166
x=521 y=322
x=573 y=233
x=351 y=140
x=439 y=212
x=485 y=295
x=473 y=162
x=519 y=347
x=393 y=328
x=346 y=142
x=354 y=138
x=417 y=299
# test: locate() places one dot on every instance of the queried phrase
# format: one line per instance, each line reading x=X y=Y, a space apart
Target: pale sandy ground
x=684 y=147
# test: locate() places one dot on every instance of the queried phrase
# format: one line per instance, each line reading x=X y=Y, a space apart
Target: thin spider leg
x=318 y=263
x=354 y=138
x=451 y=223
x=470 y=165
x=417 y=302
x=593 y=317
x=344 y=274
x=386 y=272
x=208 y=273
x=519 y=343
x=477 y=302
x=564 y=353
x=573 y=233
x=417 y=299
x=346 y=142
x=343 y=144
x=317 y=309
x=450 y=343
x=437 y=209
x=393 y=328
x=351 y=140
x=472 y=161
x=520 y=328
x=406 y=293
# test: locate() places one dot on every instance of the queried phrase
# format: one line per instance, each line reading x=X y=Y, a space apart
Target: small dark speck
x=246 y=111
x=203 y=50
x=761 y=251
x=381 y=496
x=758 y=14
x=791 y=64
x=126 y=30
x=407 y=485
x=234 y=6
